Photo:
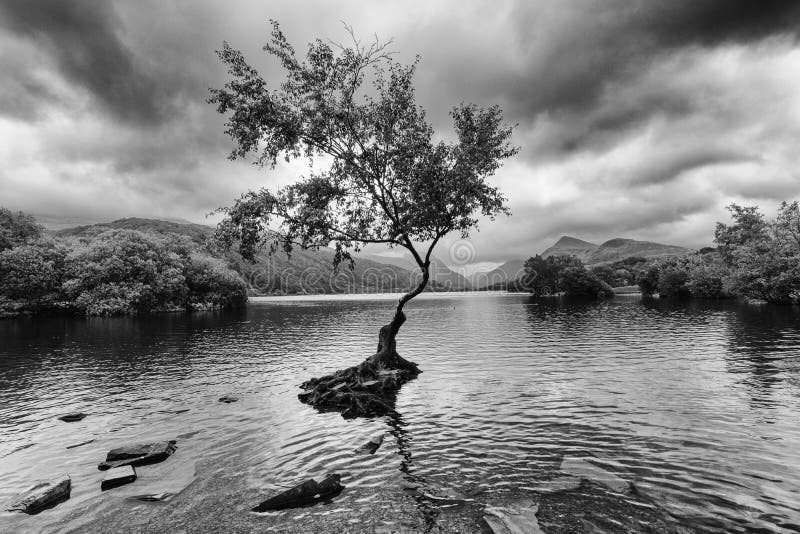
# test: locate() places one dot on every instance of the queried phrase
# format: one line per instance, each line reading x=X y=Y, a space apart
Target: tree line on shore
x=114 y=272
x=756 y=258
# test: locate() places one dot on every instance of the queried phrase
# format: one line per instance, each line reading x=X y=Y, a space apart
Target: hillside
x=618 y=249
x=570 y=246
x=612 y=250
x=497 y=277
x=442 y=277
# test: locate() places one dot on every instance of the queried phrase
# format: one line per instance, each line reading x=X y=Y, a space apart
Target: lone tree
x=388 y=182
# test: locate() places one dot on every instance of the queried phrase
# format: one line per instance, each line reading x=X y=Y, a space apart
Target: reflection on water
x=696 y=402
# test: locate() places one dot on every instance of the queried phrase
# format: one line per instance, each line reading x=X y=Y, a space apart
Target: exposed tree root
x=368 y=389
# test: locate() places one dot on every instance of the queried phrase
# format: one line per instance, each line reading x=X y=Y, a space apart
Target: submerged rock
x=227 y=399
x=372 y=445
x=72 y=417
x=154 y=497
x=42 y=495
x=118 y=476
x=80 y=444
x=309 y=492
x=581 y=468
x=140 y=454
x=516 y=518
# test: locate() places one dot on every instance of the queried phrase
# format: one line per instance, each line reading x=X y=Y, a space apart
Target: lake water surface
x=696 y=403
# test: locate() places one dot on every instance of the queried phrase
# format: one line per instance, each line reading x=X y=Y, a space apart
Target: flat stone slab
x=309 y=492
x=118 y=476
x=72 y=417
x=227 y=399
x=518 y=518
x=139 y=454
x=372 y=445
x=42 y=495
x=582 y=468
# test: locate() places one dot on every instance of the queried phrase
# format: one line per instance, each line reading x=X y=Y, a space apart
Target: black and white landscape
x=393 y=267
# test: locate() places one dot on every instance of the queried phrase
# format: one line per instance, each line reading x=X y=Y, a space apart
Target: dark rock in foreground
x=118 y=476
x=140 y=454
x=309 y=492
x=42 y=495
x=227 y=399
x=72 y=417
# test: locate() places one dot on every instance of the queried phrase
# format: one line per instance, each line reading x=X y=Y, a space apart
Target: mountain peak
x=567 y=241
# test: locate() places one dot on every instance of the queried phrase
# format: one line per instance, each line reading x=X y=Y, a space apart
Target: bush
x=648 y=281
x=578 y=282
x=31 y=275
x=672 y=281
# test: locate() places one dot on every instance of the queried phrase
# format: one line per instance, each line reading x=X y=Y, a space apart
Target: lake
x=697 y=404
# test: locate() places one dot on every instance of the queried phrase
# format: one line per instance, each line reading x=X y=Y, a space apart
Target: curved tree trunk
x=370 y=388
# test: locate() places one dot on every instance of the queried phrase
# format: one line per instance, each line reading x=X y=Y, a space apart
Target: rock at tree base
x=227 y=399
x=519 y=518
x=72 y=417
x=309 y=492
x=42 y=495
x=117 y=477
x=140 y=454
x=372 y=445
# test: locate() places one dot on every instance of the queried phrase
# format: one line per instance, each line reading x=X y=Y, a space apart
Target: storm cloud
x=636 y=119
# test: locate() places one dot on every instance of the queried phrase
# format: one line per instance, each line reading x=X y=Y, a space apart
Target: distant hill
x=618 y=249
x=612 y=250
x=570 y=246
x=196 y=232
x=442 y=277
x=498 y=276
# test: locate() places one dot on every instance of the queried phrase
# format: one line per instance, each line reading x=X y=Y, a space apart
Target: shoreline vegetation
x=109 y=272
x=756 y=259
x=134 y=266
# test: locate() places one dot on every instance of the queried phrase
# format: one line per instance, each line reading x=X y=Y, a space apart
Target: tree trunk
x=370 y=388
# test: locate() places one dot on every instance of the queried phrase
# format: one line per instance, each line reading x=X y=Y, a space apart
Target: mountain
x=570 y=246
x=442 y=276
x=497 y=277
x=612 y=250
x=618 y=249
x=304 y=271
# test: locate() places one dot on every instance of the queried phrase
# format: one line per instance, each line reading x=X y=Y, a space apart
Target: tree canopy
x=389 y=180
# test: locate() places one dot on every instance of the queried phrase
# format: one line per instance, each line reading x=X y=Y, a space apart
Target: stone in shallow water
x=515 y=518
x=42 y=495
x=139 y=454
x=309 y=492
x=72 y=417
x=372 y=445
x=154 y=497
x=117 y=477
x=581 y=468
x=227 y=399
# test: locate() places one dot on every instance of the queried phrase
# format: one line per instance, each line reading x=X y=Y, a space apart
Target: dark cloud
x=84 y=38
x=636 y=118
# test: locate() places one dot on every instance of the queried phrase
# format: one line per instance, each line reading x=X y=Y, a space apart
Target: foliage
x=763 y=256
x=578 y=282
x=543 y=275
x=31 y=275
x=114 y=272
x=389 y=181
x=606 y=274
x=672 y=279
x=212 y=284
x=17 y=229
x=648 y=281
x=561 y=274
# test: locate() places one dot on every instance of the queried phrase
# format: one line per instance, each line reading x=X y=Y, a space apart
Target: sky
x=638 y=119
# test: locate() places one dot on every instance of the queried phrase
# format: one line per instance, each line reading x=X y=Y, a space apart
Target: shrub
x=578 y=282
